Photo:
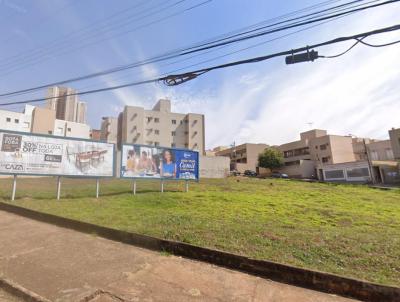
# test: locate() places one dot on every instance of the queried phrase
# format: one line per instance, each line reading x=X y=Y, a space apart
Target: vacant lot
x=347 y=230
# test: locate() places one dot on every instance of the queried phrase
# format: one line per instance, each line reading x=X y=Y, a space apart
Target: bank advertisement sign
x=46 y=155
x=140 y=161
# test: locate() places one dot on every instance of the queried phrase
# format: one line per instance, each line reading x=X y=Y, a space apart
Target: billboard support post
x=97 y=187
x=186 y=186
x=162 y=186
x=14 y=187
x=58 y=187
x=134 y=187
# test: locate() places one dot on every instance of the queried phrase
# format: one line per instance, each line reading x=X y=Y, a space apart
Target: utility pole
x=369 y=162
x=233 y=155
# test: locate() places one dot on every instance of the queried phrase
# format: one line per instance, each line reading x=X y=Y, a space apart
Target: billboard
x=140 y=161
x=24 y=153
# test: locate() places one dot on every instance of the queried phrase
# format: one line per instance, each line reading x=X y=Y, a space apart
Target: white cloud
x=356 y=93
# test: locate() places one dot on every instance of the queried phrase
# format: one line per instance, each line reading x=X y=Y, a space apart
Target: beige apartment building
x=68 y=107
x=243 y=157
x=315 y=147
x=109 y=130
x=161 y=127
x=339 y=158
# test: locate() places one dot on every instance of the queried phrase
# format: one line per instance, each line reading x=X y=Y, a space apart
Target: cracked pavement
x=64 y=265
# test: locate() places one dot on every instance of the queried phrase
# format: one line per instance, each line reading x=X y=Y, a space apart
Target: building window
x=69 y=129
x=374 y=155
x=334 y=174
x=16 y=121
x=156 y=120
x=186 y=145
x=181 y=122
x=357 y=172
x=389 y=154
x=156 y=144
x=173 y=133
x=8 y=119
x=186 y=132
x=326 y=159
x=292 y=163
x=173 y=145
x=157 y=132
x=50 y=132
x=186 y=121
x=323 y=147
x=173 y=122
x=149 y=119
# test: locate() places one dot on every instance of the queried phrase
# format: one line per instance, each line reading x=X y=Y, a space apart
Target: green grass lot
x=343 y=229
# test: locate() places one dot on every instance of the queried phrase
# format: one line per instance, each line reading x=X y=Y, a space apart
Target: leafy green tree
x=270 y=159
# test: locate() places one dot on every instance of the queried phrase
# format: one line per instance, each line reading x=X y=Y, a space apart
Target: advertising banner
x=140 y=161
x=46 y=155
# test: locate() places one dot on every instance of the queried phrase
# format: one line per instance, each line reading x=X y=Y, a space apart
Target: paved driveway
x=65 y=265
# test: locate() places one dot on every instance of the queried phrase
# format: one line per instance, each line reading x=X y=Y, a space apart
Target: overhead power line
x=43 y=54
x=33 y=57
x=177 y=79
x=189 y=50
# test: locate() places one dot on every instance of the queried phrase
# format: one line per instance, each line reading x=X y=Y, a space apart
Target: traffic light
x=302 y=57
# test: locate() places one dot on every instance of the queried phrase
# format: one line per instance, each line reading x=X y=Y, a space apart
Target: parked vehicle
x=235 y=173
x=250 y=173
x=279 y=175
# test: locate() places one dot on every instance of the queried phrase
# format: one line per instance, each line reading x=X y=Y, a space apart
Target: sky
x=44 y=41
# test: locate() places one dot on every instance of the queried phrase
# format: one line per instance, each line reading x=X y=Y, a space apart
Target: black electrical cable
x=300 y=24
x=67 y=46
x=359 y=40
x=93 y=24
x=378 y=45
x=173 y=56
x=27 y=58
x=194 y=74
x=344 y=52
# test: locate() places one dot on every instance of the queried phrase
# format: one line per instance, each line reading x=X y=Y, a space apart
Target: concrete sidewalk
x=65 y=265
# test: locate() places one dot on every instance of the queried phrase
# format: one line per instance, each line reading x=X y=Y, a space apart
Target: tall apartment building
x=243 y=157
x=67 y=106
x=109 y=129
x=161 y=127
x=44 y=121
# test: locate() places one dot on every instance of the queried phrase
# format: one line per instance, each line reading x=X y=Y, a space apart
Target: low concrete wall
x=214 y=166
x=315 y=280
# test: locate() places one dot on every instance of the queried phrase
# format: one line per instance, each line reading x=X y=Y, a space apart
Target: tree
x=270 y=159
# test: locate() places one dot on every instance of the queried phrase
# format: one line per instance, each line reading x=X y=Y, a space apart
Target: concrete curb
x=314 y=280
x=20 y=292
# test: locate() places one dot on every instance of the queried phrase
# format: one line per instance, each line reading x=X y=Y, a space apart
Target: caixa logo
x=187 y=155
x=13 y=167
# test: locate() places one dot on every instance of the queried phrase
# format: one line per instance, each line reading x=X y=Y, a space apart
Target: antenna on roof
x=310 y=124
